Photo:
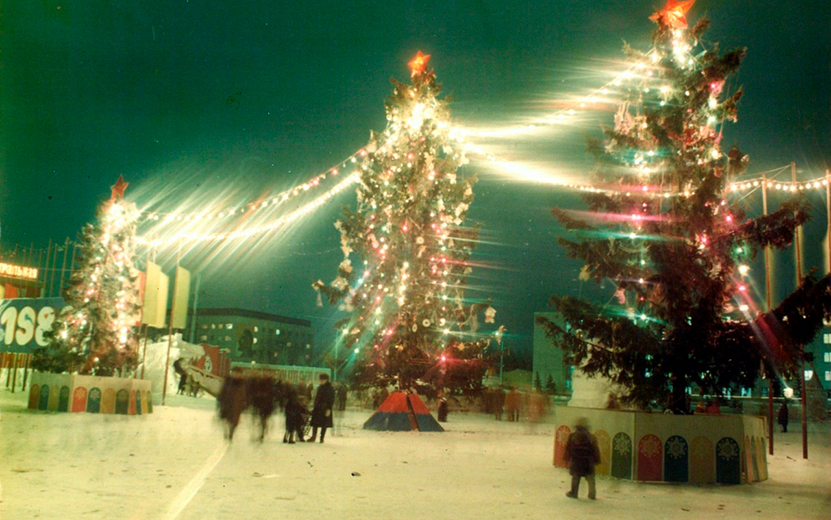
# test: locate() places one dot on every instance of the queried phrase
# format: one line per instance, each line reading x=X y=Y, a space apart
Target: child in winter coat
x=582 y=455
x=295 y=418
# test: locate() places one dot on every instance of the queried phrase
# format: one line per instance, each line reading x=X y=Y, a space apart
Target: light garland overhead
x=246 y=207
x=245 y=233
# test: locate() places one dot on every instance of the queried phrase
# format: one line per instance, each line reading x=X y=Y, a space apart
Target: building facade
x=818 y=361
x=548 y=358
x=253 y=336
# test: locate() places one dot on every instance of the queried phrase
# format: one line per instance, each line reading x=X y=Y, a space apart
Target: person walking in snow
x=513 y=401
x=322 y=411
x=581 y=455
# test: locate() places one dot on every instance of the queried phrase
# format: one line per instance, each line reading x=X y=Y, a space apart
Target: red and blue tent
x=402 y=412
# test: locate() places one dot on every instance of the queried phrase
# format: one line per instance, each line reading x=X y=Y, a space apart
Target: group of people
x=512 y=403
x=321 y=414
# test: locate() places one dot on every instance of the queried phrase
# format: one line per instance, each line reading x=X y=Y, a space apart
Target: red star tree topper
x=118 y=189
x=419 y=64
x=673 y=14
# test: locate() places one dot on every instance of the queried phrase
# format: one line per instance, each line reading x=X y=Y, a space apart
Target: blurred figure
x=442 y=409
x=342 y=392
x=498 y=403
x=782 y=419
x=513 y=402
x=581 y=455
x=712 y=408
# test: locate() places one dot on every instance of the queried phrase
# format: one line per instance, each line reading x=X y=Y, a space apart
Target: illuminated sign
x=18 y=271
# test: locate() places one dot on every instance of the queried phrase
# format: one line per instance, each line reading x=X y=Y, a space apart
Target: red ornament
x=673 y=14
x=118 y=189
x=419 y=64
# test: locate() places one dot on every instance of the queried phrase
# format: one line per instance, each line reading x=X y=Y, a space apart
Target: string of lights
x=245 y=207
x=245 y=233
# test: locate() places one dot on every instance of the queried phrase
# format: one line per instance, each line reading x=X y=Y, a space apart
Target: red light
x=742 y=288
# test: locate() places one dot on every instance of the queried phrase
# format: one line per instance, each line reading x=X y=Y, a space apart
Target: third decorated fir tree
x=663 y=230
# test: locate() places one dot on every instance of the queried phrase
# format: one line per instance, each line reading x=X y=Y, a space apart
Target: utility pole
x=767 y=309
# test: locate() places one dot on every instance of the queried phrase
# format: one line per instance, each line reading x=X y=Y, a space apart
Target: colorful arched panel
x=702 y=461
x=649 y=458
x=560 y=439
x=604 y=444
x=728 y=462
x=676 y=460
x=622 y=456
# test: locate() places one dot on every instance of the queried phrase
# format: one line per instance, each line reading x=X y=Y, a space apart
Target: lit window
x=229 y=326
x=205 y=326
x=277 y=332
x=827 y=357
x=308 y=346
x=808 y=374
x=256 y=329
x=828 y=375
x=204 y=338
x=826 y=338
x=255 y=340
x=227 y=338
x=213 y=325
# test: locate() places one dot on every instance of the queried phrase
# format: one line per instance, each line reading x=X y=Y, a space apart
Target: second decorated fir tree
x=410 y=325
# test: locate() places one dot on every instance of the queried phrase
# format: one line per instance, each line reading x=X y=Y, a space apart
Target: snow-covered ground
x=175 y=464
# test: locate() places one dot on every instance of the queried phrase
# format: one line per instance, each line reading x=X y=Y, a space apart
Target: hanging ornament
x=425 y=323
x=490 y=313
x=419 y=240
x=620 y=294
x=584 y=274
x=673 y=14
x=415 y=327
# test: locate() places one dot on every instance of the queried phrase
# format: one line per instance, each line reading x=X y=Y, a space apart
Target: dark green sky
x=198 y=94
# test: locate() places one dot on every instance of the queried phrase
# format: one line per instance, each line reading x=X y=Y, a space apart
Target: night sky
x=251 y=97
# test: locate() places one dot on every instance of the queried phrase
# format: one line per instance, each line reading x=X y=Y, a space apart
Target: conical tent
x=402 y=412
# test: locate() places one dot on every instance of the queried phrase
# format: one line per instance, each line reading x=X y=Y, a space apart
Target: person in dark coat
x=783 y=416
x=581 y=455
x=322 y=411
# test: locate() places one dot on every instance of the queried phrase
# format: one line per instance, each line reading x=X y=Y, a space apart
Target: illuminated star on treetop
x=419 y=64
x=118 y=189
x=673 y=14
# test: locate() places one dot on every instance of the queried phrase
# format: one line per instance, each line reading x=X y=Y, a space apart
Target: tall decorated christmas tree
x=94 y=333
x=410 y=325
x=661 y=228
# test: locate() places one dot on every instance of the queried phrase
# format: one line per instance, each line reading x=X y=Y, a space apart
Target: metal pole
x=45 y=292
x=14 y=371
x=828 y=213
x=63 y=265
x=767 y=309
x=798 y=245
x=193 y=330
x=28 y=358
x=54 y=270
x=144 y=354
x=170 y=332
